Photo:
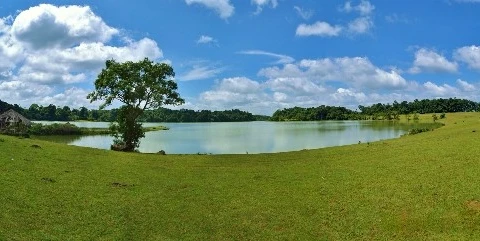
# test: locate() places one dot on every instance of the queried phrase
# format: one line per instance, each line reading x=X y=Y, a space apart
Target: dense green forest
x=54 y=113
x=377 y=111
x=374 y=112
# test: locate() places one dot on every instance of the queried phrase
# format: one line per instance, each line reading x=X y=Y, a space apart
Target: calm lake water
x=251 y=137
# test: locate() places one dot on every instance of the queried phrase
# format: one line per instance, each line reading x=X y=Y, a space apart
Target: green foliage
x=442 y=116
x=54 y=129
x=434 y=117
x=184 y=115
x=139 y=86
x=415 y=131
x=415 y=116
x=408 y=116
x=314 y=113
x=127 y=131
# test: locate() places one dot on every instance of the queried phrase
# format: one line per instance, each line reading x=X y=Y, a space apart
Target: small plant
x=442 y=116
x=415 y=116
x=408 y=117
x=415 y=131
x=434 y=117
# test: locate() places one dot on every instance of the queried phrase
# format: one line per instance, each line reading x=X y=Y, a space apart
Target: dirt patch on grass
x=473 y=205
x=121 y=185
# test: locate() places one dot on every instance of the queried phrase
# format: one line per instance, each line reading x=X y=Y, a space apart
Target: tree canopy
x=139 y=86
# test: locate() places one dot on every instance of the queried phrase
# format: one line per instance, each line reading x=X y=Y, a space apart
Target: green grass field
x=417 y=187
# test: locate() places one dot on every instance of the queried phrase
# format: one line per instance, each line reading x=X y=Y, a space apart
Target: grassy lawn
x=418 y=187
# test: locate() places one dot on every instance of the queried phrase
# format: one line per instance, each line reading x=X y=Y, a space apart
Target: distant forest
x=377 y=111
x=65 y=113
x=374 y=112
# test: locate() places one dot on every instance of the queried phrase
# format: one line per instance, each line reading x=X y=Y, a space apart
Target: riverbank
x=415 y=187
x=38 y=129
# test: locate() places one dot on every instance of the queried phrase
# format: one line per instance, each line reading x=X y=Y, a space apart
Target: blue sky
x=258 y=55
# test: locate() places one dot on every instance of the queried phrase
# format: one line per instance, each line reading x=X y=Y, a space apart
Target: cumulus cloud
x=357 y=71
x=296 y=86
x=223 y=7
x=205 y=39
x=469 y=55
x=234 y=90
x=440 y=90
x=342 y=95
x=282 y=59
x=47 y=48
x=303 y=13
x=72 y=97
x=360 y=25
x=323 y=29
x=430 y=61
x=47 y=26
x=465 y=86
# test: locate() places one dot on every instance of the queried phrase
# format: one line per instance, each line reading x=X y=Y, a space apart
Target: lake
x=247 y=137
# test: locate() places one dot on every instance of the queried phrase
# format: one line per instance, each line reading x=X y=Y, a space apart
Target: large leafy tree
x=139 y=86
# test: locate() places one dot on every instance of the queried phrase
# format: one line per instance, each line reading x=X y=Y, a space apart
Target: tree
x=139 y=86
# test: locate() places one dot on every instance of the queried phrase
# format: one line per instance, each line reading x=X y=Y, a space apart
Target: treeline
x=185 y=115
x=65 y=113
x=315 y=113
x=422 y=106
x=376 y=111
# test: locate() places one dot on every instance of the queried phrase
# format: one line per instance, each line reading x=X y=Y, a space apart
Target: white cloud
x=465 y=86
x=440 y=90
x=261 y=3
x=469 y=55
x=430 y=61
x=323 y=29
x=280 y=97
x=363 y=8
x=282 y=59
x=234 y=93
x=47 y=48
x=296 y=86
x=348 y=96
x=199 y=72
x=223 y=7
x=356 y=71
x=205 y=39
x=73 y=97
x=303 y=13
x=360 y=25
x=47 y=26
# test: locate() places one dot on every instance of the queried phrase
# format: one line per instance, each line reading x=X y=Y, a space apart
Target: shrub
x=54 y=129
x=415 y=131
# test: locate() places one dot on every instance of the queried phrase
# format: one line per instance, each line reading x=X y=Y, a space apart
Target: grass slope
x=419 y=187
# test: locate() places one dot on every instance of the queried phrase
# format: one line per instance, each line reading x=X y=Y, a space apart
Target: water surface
x=248 y=137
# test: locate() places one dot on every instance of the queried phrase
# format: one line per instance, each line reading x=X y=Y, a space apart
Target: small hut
x=11 y=120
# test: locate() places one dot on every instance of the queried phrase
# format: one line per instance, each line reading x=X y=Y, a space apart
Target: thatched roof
x=11 y=116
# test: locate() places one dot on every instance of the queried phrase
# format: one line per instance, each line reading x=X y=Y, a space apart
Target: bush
x=418 y=130
x=54 y=129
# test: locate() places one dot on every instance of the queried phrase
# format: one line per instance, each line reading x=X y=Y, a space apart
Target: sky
x=254 y=55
